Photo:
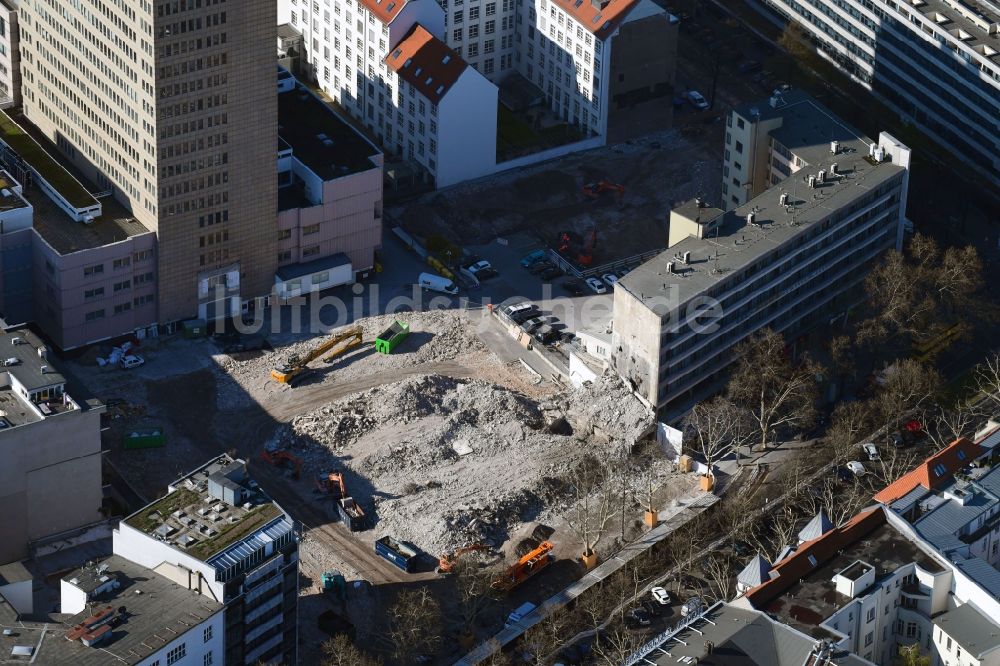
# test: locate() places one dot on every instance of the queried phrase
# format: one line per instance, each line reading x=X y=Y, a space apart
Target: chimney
x=43 y=353
x=687 y=258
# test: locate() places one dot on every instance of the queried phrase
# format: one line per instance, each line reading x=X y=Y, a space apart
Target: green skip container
x=144 y=438
x=390 y=338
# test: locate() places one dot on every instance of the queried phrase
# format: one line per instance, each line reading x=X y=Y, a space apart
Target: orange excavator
x=447 y=561
x=525 y=568
x=332 y=483
x=595 y=190
x=282 y=459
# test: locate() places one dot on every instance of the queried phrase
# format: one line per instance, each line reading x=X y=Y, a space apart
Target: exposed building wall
x=635 y=346
x=466 y=148
x=17 y=300
x=50 y=479
x=642 y=76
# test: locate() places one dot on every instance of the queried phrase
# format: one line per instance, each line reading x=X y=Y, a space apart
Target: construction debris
x=443 y=462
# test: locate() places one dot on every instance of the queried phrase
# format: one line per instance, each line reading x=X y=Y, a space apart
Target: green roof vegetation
x=153 y=516
x=53 y=172
x=255 y=519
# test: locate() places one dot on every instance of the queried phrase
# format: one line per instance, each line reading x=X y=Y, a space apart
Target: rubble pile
x=443 y=462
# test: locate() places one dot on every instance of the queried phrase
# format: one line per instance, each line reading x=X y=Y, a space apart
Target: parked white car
x=856 y=468
x=871 y=450
x=132 y=361
x=609 y=279
x=479 y=266
x=696 y=99
x=596 y=285
x=661 y=596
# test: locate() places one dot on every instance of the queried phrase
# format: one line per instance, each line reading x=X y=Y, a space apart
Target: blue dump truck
x=400 y=553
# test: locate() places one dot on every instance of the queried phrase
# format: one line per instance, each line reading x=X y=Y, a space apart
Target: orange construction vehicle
x=595 y=190
x=447 y=561
x=331 y=483
x=282 y=458
x=525 y=568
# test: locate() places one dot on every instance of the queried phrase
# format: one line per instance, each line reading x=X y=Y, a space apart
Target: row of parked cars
x=543 y=328
x=538 y=263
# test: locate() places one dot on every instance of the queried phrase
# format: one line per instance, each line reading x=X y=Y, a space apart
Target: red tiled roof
x=426 y=63
x=954 y=457
x=797 y=566
x=600 y=21
x=384 y=10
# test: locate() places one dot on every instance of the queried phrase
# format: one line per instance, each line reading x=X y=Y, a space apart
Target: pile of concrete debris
x=443 y=462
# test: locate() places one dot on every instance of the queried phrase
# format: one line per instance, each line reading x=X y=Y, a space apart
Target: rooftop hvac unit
x=687 y=257
x=812 y=181
x=834 y=147
x=821 y=176
x=750 y=219
x=44 y=369
x=833 y=169
x=6 y=193
x=783 y=199
x=670 y=267
x=17 y=341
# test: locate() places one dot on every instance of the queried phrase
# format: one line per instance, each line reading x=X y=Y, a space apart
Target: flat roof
x=28 y=366
x=969 y=628
x=324 y=263
x=813 y=598
x=157 y=611
x=11 y=200
x=736 y=244
x=970 y=17
x=320 y=139
x=194 y=521
x=739 y=636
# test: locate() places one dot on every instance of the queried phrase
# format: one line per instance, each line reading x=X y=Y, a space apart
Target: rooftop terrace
x=807 y=130
x=323 y=141
x=157 y=610
x=195 y=517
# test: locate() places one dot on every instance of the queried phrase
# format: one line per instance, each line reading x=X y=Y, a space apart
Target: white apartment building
x=10 y=56
x=935 y=62
x=779 y=260
x=386 y=64
x=444 y=118
x=217 y=533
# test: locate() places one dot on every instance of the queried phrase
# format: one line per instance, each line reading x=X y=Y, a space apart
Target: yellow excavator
x=295 y=365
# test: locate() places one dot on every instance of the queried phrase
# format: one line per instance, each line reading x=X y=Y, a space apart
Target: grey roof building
x=816 y=527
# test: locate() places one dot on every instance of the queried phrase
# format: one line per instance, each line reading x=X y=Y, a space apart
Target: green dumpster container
x=194 y=328
x=390 y=338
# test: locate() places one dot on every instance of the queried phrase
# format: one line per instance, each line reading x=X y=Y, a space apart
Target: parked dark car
x=550 y=273
x=748 y=66
x=573 y=288
x=540 y=266
x=637 y=617
x=654 y=609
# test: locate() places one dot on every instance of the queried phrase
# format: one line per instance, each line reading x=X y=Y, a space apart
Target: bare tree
x=922 y=293
x=472 y=582
x=907 y=386
x=892 y=465
x=946 y=424
x=593 y=501
x=545 y=637
x=713 y=426
x=497 y=656
x=415 y=624
x=721 y=574
x=987 y=378
x=772 y=536
x=615 y=645
x=839 y=501
x=850 y=422
x=341 y=651
x=774 y=390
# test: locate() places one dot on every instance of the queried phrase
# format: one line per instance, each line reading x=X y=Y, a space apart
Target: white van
x=132 y=361
x=437 y=283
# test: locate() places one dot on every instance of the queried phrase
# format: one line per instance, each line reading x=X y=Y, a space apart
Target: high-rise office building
x=171 y=108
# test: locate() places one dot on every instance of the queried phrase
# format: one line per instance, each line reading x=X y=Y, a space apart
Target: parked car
x=654 y=609
x=609 y=279
x=520 y=312
x=531 y=324
x=856 y=468
x=660 y=595
x=550 y=273
x=742 y=549
x=132 y=361
x=545 y=334
x=622 y=272
x=533 y=258
x=596 y=285
x=897 y=440
x=573 y=287
x=871 y=450
x=486 y=273
x=696 y=99
x=639 y=617
x=479 y=267
x=748 y=66
x=540 y=266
